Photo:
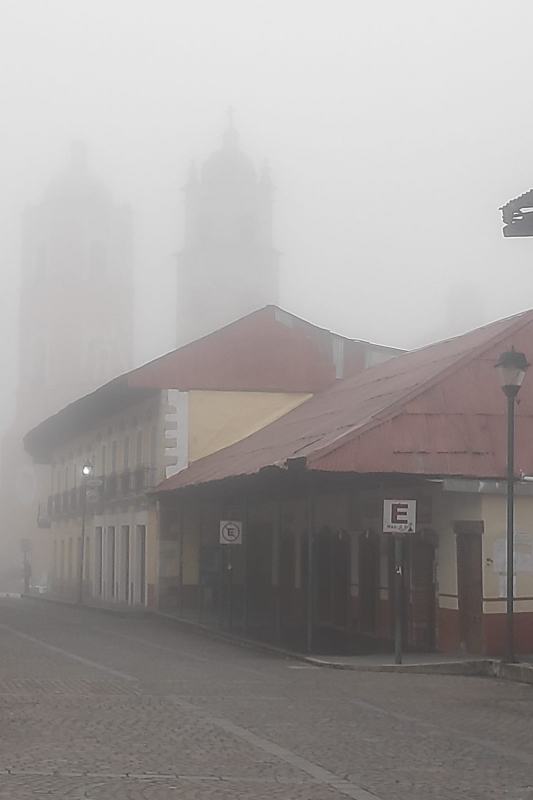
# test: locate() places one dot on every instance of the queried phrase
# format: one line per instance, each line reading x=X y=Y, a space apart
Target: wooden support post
x=398 y=605
x=181 y=534
x=276 y=569
x=310 y=574
x=245 y=582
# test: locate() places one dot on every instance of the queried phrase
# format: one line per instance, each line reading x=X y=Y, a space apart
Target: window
x=70 y=563
x=141 y=563
x=113 y=457
x=98 y=561
x=103 y=460
x=125 y=563
x=126 y=452
x=139 y=453
x=153 y=446
x=62 y=561
x=87 y=559
x=111 y=560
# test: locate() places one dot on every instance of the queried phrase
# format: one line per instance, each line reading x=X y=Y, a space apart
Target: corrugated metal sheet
x=269 y=350
x=437 y=410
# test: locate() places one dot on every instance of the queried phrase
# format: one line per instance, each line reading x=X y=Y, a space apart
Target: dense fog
x=393 y=133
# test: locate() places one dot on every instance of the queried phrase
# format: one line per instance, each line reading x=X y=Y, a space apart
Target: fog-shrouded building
x=75 y=320
x=228 y=266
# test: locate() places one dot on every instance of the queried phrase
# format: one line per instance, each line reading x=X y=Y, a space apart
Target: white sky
x=394 y=131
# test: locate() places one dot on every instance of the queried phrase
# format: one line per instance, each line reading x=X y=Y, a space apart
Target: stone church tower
x=75 y=321
x=228 y=265
x=76 y=294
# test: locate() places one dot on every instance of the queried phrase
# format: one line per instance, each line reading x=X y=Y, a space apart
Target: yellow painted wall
x=218 y=419
x=494 y=562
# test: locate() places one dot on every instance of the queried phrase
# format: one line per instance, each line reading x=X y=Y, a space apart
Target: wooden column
x=310 y=614
x=246 y=533
x=276 y=567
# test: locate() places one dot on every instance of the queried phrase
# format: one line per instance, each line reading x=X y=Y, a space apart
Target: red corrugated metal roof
x=269 y=350
x=437 y=410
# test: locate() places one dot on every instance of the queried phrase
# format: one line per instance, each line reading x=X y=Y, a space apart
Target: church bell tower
x=75 y=327
x=76 y=294
x=228 y=266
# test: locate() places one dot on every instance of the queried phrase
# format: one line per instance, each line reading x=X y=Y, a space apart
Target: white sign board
x=399 y=516
x=230 y=531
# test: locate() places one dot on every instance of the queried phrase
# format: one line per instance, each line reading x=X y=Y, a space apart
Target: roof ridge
x=517 y=321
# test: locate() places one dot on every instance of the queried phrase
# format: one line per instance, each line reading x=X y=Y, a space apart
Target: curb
x=124 y=611
x=233 y=638
x=520 y=672
x=470 y=667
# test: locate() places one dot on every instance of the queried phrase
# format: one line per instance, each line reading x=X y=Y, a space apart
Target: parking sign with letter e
x=399 y=516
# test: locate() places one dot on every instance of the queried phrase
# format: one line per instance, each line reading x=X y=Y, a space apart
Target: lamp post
x=86 y=472
x=512 y=367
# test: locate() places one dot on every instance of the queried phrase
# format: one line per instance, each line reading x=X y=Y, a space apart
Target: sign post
x=230 y=534
x=399 y=517
x=398 y=604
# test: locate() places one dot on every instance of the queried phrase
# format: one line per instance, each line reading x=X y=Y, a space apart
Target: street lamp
x=86 y=472
x=512 y=367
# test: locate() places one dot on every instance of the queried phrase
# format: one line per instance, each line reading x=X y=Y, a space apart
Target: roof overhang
x=81 y=416
x=301 y=476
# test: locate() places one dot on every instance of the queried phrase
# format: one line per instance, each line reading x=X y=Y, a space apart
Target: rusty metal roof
x=269 y=350
x=438 y=410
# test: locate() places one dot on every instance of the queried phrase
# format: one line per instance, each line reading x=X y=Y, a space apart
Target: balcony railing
x=128 y=484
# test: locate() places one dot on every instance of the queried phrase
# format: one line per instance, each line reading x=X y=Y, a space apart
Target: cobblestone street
x=98 y=706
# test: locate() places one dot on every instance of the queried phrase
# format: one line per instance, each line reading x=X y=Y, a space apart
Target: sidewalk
x=411 y=662
x=421 y=663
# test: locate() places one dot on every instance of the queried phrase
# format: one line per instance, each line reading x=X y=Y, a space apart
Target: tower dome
x=228 y=265
x=75 y=183
x=229 y=164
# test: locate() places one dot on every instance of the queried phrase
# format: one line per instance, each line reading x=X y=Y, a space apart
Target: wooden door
x=332 y=578
x=470 y=589
x=421 y=622
x=259 y=575
x=287 y=578
x=340 y=580
x=368 y=581
x=323 y=569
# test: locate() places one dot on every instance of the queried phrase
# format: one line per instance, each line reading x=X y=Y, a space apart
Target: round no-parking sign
x=230 y=532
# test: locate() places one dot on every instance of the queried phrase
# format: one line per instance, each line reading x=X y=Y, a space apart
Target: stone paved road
x=98 y=706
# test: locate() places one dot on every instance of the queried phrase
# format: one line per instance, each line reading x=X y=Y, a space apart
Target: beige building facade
x=129 y=453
